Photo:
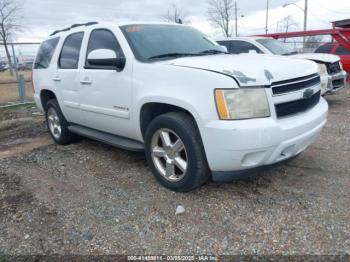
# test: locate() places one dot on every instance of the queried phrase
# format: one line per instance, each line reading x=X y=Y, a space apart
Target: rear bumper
x=238 y=147
x=37 y=101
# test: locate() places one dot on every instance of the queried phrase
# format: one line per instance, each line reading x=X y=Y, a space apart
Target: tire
x=165 y=151
x=58 y=125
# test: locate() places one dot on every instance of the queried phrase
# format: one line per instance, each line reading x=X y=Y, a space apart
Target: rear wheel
x=175 y=152
x=58 y=125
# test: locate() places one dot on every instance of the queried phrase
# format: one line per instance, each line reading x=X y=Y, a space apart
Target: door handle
x=56 y=79
x=86 y=82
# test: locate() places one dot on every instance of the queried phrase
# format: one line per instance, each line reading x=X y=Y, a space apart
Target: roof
x=78 y=27
x=244 y=38
x=342 y=23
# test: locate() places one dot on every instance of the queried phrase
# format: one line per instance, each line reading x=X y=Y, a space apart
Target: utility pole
x=236 y=19
x=305 y=15
x=267 y=17
x=305 y=22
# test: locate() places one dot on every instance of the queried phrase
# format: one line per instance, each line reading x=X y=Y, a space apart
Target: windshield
x=151 y=42
x=276 y=47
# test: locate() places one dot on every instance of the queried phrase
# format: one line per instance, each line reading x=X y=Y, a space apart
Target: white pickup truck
x=333 y=77
x=168 y=90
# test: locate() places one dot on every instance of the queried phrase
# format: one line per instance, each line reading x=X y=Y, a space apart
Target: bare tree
x=287 y=23
x=313 y=42
x=9 y=24
x=175 y=14
x=220 y=13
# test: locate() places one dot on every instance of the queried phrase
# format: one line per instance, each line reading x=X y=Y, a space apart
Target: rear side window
x=239 y=47
x=341 y=50
x=45 y=53
x=327 y=49
x=69 y=57
x=224 y=43
x=103 y=39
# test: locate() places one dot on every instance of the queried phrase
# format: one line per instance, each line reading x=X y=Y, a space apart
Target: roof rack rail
x=73 y=26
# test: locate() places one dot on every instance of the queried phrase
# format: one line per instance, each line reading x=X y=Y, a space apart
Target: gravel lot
x=89 y=198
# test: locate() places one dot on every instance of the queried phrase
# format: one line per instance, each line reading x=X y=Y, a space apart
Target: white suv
x=170 y=91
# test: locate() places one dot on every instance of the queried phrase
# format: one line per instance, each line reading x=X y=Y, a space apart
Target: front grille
x=333 y=68
x=298 y=106
x=295 y=84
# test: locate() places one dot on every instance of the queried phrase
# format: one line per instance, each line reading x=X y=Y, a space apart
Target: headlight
x=322 y=69
x=241 y=103
x=341 y=65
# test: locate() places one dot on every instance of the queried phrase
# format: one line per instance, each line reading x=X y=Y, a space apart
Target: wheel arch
x=150 y=110
x=45 y=96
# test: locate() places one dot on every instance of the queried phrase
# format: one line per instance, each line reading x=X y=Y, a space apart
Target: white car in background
x=333 y=77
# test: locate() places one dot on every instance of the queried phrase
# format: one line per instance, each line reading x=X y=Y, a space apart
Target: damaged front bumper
x=333 y=83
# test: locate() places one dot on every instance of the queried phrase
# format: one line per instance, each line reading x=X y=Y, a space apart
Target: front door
x=106 y=92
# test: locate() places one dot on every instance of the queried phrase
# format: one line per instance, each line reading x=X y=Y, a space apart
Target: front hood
x=250 y=69
x=317 y=57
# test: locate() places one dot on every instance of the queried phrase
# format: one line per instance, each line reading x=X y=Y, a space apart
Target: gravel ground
x=89 y=198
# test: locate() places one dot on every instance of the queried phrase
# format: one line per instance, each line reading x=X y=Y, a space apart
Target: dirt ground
x=89 y=198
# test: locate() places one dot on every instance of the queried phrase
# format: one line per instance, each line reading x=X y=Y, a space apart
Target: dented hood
x=323 y=58
x=250 y=69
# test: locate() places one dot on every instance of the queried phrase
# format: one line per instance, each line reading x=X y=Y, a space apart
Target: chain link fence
x=15 y=81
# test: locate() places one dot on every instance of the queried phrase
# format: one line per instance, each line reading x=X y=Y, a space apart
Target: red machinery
x=340 y=33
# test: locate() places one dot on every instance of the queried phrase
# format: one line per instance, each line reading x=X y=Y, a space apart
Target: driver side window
x=103 y=39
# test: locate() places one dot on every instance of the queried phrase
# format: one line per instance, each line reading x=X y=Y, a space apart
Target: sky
x=44 y=16
x=41 y=17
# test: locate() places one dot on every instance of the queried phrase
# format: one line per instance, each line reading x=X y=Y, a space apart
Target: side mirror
x=224 y=48
x=252 y=51
x=105 y=59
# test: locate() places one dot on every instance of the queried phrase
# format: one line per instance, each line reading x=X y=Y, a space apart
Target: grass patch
x=17 y=111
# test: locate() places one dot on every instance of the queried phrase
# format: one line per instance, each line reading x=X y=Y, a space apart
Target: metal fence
x=15 y=82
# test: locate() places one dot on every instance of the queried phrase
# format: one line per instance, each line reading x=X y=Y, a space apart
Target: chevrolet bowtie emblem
x=308 y=93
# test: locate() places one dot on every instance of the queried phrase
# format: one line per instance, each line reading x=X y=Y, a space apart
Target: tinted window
x=327 y=49
x=103 y=39
x=150 y=42
x=239 y=47
x=276 y=47
x=225 y=43
x=45 y=53
x=341 y=50
x=69 y=57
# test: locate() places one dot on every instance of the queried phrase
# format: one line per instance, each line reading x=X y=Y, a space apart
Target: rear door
x=66 y=77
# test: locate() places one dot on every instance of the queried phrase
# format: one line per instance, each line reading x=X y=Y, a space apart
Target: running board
x=113 y=140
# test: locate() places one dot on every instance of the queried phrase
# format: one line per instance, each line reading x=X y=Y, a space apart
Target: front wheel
x=175 y=152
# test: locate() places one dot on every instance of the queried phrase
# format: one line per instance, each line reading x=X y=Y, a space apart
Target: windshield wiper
x=206 y=52
x=171 y=55
x=291 y=53
x=212 y=51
